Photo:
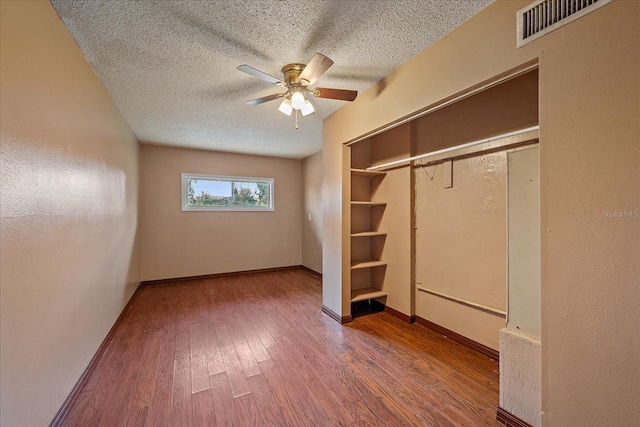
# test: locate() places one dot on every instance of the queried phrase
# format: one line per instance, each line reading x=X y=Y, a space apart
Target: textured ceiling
x=170 y=66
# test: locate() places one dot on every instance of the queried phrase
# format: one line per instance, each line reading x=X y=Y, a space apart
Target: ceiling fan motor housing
x=291 y=74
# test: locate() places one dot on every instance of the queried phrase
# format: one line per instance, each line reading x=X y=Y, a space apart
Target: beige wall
x=312 y=206
x=69 y=261
x=461 y=245
x=182 y=244
x=589 y=158
x=336 y=227
x=506 y=107
x=461 y=231
x=590 y=163
x=520 y=376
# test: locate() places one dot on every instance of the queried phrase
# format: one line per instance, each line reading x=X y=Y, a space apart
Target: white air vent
x=544 y=16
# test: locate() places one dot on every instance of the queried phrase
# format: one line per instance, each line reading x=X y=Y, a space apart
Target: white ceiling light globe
x=307 y=109
x=297 y=100
x=286 y=107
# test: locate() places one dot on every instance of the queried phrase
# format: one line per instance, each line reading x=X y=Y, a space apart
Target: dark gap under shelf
x=368 y=306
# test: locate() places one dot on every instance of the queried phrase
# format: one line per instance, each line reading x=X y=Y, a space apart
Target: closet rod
x=491 y=310
x=449 y=149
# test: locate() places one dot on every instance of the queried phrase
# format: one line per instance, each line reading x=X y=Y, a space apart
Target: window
x=226 y=193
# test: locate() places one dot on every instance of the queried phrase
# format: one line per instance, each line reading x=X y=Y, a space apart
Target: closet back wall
x=461 y=231
x=181 y=244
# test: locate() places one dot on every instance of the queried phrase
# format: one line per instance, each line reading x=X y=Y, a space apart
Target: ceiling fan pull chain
x=296 y=119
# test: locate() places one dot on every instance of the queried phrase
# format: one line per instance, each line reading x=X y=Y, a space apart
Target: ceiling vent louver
x=544 y=16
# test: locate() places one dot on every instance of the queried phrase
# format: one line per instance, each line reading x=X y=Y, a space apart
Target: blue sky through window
x=213 y=188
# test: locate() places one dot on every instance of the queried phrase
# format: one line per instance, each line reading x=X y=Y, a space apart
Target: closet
x=428 y=212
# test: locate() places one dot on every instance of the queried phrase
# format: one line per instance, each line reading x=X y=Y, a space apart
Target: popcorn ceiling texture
x=170 y=66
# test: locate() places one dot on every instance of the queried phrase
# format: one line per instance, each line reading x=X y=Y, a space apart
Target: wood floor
x=255 y=350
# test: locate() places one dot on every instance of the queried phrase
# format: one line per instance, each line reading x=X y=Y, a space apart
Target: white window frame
x=186 y=208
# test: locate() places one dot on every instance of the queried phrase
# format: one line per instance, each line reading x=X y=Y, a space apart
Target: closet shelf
x=369 y=234
x=358 y=203
x=366 y=293
x=364 y=172
x=366 y=263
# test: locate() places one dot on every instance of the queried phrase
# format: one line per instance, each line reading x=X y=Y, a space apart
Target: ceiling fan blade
x=341 y=94
x=315 y=68
x=259 y=74
x=265 y=99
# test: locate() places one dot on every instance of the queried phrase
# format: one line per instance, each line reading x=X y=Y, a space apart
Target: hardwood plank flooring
x=255 y=350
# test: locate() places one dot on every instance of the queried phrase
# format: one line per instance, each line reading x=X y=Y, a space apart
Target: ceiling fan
x=296 y=79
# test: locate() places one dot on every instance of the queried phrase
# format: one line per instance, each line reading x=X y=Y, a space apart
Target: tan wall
x=461 y=245
x=336 y=228
x=312 y=206
x=589 y=158
x=520 y=376
x=506 y=107
x=590 y=163
x=69 y=261
x=461 y=231
x=182 y=244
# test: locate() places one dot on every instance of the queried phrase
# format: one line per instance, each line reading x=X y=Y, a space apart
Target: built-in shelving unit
x=367 y=239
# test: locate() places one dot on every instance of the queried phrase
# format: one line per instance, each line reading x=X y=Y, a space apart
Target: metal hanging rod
x=482 y=307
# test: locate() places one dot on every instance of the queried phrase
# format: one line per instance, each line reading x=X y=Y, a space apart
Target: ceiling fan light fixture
x=296 y=79
x=297 y=100
x=307 y=109
x=285 y=107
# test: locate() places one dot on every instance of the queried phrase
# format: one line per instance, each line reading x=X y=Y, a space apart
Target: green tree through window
x=203 y=191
